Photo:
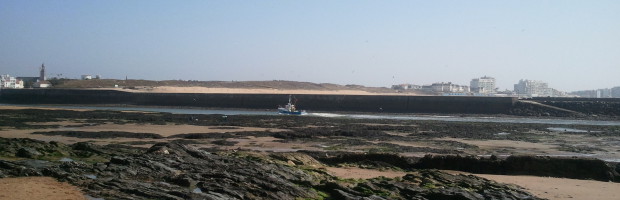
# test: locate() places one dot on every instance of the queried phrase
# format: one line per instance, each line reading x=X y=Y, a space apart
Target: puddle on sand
x=66 y=160
x=88 y=197
x=197 y=191
x=91 y=176
x=572 y=130
x=37 y=163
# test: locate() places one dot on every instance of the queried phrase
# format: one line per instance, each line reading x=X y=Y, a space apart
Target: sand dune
x=168 y=89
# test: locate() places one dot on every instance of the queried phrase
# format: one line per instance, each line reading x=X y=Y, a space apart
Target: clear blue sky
x=572 y=45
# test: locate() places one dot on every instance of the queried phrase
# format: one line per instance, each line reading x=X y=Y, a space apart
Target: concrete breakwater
x=355 y=103
x=589 y=106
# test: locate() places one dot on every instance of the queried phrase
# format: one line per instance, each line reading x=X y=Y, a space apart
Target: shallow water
x=90 y=176
x=37 y=163
x=88 y=197
x=489 y=119
x=343 y=115
x=571 y=130
x=197 y=191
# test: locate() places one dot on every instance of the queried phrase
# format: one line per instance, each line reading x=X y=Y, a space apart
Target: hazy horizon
x=572 y=45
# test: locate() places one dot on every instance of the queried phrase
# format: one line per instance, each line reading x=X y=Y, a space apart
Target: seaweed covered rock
x=27 y=152
x=182 y=173
x=566 y=167
x=177 y=171
x=33 y=149
x=431 y=184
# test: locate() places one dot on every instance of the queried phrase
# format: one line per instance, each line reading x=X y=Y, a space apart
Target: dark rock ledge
x=177 y=171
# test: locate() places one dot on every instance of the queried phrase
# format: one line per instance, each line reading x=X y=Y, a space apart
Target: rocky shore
x=572 y=167
x=176 y=171
x=134 y=155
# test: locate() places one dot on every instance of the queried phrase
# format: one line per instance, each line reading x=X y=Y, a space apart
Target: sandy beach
x=561 y=188
x=169 y=89
x=543 y=187
x=29 y=188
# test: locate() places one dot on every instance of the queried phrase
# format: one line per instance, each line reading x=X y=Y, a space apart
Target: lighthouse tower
x=42 y=74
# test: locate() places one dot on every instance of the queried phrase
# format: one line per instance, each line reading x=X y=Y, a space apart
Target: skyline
x=572 y=45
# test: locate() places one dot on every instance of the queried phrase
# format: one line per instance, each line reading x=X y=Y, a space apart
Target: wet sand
x=20 y=107
x=355 y=173
x=29 y=188
x=162 y=130
x=561 y=188
x=544 y=187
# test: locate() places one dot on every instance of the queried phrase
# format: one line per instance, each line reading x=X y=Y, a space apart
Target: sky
x=572 y=45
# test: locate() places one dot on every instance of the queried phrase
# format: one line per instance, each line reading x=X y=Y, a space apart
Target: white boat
x=290 y=109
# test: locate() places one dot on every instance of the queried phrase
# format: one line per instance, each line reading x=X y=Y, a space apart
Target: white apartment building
x=448 y=88
x=603 y=93
x=531 y=88
x=7 y=81
x=615 y=92
x=485 y=85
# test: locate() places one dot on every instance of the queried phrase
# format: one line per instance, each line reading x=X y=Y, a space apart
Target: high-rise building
x=615 y=92
x=585 y=93
x=484 y=85
x=531 y=88
x=603 y=93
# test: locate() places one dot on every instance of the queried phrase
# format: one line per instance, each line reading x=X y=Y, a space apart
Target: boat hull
x=284 y=112
x=290 y=109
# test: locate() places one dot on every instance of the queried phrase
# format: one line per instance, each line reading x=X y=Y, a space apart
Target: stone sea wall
x=354 y=103
x=589 y=106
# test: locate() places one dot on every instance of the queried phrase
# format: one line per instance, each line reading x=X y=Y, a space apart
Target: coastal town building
x=615 y=92
x=42 y=82
x=505 y=93
x=28 y=81
x=42 y=73
x=441 y=88
x=531 y=88
x=599 y=93
x=90 y=77
x=7 y=81
x=36 y=81
x=19 y=84
x=483 y=85
x=557 y=93
x=406 y=86
x=603 y=93
x=584 y=93
x=448 y=87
